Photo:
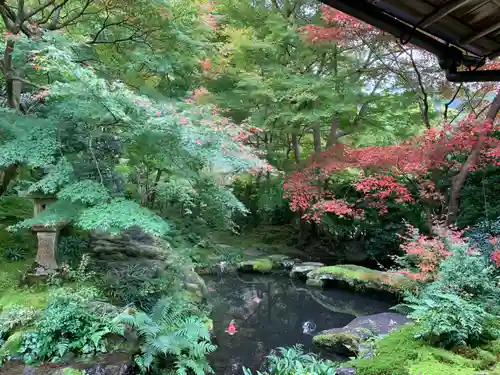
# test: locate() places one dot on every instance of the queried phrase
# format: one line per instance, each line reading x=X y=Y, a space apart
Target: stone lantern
x=47 y=234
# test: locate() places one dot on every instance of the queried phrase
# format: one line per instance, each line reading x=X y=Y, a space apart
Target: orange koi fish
x=231 y=328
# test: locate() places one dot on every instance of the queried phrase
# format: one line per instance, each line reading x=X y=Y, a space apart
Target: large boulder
x=130 y=244
x=349 y=340
x=360 y=278
x=153 y=255
x=194 y=284
x=300 y=270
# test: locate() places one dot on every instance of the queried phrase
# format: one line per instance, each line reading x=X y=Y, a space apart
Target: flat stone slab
x=360 y=278
x=301 y=270
x=348 y=340
x=371 y=325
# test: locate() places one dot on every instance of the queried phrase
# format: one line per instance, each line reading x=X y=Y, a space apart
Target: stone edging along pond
x=351 y=339
x=344 y=276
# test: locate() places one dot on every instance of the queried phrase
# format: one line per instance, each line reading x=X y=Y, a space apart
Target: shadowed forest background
x=168 y=141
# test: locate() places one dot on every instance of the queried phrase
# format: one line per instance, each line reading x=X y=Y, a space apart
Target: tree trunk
x=296 y=149
x=6 y=177
x=459 y=179
x=13 y=90
x=332 y=136
x=317 y=141
x=302 y=222
x=152 y=194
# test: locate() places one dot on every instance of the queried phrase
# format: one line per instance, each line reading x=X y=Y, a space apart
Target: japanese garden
x=241 y=187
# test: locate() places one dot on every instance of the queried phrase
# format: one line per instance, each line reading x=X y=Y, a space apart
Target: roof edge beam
x=443 y=12
x=480 y=34
x=450 y=56
x=374 y=16
x=453 y=75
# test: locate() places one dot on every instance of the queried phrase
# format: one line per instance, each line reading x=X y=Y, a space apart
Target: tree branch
x=70 y=20
x=41 y=8
x=425 y=102
x=459 y=179
x=447 y=105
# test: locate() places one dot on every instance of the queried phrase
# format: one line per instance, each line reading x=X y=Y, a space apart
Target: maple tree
x=112 y=133
x=392 y=169
x=406 y=172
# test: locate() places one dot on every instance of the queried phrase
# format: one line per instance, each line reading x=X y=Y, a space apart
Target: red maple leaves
x=338 y=26
x=386 y=170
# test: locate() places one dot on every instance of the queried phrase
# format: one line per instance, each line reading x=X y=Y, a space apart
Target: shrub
x=14 y=254
x=16 y=245
x=139 y=284
x=171 y=332
x=400 y=353
x=458 y=307
x=422 y=255
x=448 y=320
x=294 y=361
x=72 y=248
x=68 y=325
x=484 y=237
x=13 y=208
x=14 y=317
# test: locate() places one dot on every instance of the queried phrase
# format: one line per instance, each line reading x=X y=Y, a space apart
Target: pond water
x=270 y=311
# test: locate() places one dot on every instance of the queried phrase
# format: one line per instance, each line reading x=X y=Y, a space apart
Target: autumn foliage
x=338 y=26
x=385 y=171
x=422 y=255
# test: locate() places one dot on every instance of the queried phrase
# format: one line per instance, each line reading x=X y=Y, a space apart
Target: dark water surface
x=269 y=312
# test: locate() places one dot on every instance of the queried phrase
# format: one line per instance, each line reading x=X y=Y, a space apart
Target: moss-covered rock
x=266 y=264
x=342 y=343
x=350 y=340
x=262 y=265
x=360 y=278
x=194 y=285
x=400 y=353
x=300 y=270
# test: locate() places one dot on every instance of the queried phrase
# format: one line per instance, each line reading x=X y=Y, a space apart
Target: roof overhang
x=461 y=33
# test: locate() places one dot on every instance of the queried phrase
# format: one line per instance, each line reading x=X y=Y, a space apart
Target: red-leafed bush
x=388 y=172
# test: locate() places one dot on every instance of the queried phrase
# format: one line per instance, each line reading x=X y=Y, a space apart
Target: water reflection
x=273 y=311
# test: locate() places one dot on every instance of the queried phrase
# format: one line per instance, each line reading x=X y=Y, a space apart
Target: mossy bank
x=359 y=278
x=399 y=353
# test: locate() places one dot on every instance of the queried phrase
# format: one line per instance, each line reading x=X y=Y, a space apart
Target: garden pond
x=271 y=311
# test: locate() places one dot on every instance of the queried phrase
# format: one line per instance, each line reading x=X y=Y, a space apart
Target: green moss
x=399 y=353
x=360 y=278
x=12 y=293
x=318 y=283
x=11 y=273
x=13 y=297
x=262 y=265
x=494 y=347
x=277 y=258
x=72 y=371
x=335 y=339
